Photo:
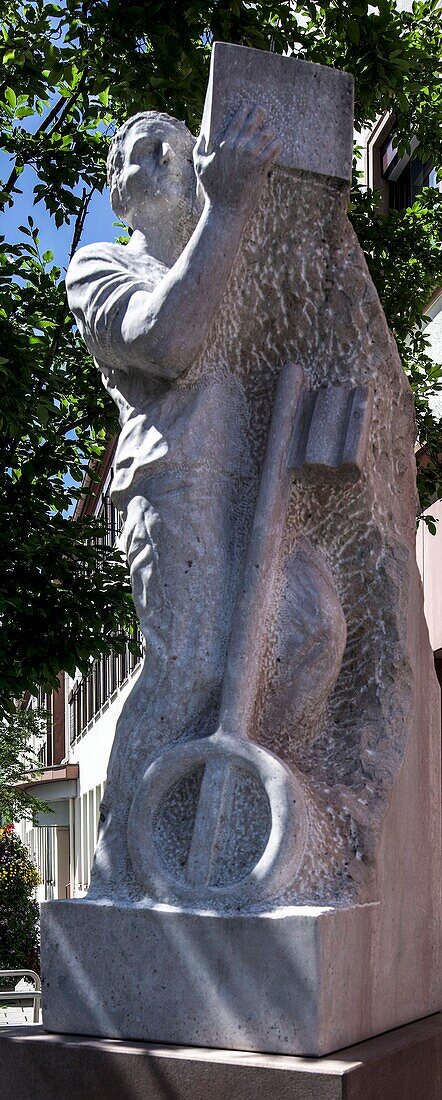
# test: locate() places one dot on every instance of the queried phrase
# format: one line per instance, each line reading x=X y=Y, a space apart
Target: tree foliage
x=71 y=72
x=20 y=736
x=19 y=915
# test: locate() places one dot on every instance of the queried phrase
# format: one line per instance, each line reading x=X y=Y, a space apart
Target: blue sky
x=98 y=225
x=99 y=221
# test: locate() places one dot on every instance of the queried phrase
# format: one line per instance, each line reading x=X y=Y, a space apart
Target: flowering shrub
x=19 y=915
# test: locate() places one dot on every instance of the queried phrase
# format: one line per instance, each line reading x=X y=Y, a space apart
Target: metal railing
x=10 y=996
x=106 y=675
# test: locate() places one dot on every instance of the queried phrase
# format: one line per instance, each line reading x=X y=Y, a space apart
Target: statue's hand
x=233 y=175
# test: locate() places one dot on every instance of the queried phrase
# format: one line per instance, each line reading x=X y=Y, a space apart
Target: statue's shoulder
x=93 y=260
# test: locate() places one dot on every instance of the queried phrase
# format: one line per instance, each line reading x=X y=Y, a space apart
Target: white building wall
x=91 y=752
x=429 y=558
x=429 y=547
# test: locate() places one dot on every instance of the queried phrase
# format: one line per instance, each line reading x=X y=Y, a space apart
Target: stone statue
x=185 y=473
x=270 y=782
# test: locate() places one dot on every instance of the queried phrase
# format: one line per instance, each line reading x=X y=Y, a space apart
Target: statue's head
x=150 y=170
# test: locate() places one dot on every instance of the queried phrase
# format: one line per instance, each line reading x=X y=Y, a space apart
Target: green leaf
x=353 y=31
x=10 y=96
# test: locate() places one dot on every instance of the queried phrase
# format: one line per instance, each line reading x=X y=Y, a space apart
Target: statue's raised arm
x=149 y=305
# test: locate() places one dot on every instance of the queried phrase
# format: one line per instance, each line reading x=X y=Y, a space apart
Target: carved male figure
x=145 y=312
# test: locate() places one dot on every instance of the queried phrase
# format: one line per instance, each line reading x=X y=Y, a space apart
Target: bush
x=19 y=913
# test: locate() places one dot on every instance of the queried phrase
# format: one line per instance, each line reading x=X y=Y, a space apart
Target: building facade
x=75 y=747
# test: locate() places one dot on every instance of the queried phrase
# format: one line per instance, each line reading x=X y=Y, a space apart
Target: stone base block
x=405 y=1064
x=299 y=981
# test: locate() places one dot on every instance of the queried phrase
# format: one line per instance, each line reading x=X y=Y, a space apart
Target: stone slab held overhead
x=310 y=107
x=267 y=873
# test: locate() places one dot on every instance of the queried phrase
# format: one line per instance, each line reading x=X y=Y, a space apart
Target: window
x=106 y=675
x=398 y=178
x=406 y=175
x=45 y=752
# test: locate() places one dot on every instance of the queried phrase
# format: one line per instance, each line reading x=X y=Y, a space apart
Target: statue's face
x=158 y=175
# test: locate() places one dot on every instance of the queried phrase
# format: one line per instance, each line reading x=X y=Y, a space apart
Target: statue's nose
x=166 y=152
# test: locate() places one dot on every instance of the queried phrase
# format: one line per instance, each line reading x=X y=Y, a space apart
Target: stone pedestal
x=300 y=981
x=405 y=1064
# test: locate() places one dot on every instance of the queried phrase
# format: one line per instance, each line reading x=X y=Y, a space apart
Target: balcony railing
x=106 y=675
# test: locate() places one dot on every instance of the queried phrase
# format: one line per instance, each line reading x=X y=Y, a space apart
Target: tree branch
x=44 y=125
x=64 y=313
x=80 y=220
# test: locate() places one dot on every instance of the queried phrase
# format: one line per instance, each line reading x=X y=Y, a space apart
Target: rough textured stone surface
x=345 y=695
x=317 y=141
x=403 y=1065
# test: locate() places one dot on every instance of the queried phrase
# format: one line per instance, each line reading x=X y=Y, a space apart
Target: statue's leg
x=185 y=537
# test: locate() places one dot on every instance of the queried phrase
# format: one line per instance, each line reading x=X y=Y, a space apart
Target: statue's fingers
x=261 y=140
x=253 y=122
x=237 y=122
x=272 y=151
